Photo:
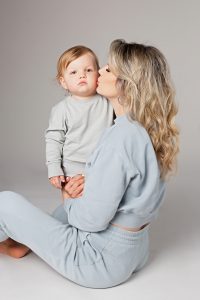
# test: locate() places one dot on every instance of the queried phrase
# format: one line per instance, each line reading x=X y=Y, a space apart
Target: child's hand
x=57 y=181
x=74 y=187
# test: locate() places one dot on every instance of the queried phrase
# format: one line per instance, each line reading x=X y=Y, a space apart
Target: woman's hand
x=73 y=187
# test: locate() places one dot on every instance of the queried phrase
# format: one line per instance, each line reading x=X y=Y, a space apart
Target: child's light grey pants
x=97 y=260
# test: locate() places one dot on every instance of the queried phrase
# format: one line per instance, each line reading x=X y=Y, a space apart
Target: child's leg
x=43 y=234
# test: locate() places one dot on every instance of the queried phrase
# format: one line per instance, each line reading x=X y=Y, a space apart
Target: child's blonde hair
x=147 y=93
x=70 y=55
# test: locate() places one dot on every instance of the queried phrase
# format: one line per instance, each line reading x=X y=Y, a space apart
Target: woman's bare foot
x=13 y=248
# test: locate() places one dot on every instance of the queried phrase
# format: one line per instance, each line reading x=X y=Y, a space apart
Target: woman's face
x=106 y=84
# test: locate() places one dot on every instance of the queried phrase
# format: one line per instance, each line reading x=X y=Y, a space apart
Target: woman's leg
x=18 y=250
x=43 y=234
x=95 y=260
x=13 y=248
x=60 y=214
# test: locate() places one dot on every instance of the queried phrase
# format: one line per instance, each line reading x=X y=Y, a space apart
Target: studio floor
x=172 y=271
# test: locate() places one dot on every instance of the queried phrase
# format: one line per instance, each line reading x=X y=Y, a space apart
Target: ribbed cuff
x=54 y=170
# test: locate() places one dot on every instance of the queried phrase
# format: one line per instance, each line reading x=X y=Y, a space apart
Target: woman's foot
x=13 y=248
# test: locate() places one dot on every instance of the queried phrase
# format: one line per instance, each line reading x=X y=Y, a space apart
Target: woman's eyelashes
x=107 y=69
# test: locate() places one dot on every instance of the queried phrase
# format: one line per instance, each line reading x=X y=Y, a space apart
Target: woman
x=100 y=239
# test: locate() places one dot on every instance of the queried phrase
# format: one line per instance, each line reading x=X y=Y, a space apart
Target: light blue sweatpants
x=97 y=260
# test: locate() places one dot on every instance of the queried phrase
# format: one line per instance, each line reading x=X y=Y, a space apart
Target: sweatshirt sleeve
x=55 y=138
x=106 y=181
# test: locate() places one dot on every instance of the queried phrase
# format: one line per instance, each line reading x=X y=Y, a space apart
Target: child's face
x=80 y=77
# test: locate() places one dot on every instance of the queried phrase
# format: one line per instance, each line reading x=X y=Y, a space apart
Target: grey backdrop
x=32 y=36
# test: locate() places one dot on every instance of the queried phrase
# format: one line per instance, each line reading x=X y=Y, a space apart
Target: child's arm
x=55 y=139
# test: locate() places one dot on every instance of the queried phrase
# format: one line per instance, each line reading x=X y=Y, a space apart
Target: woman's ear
x=120 y=84
x=63 y=83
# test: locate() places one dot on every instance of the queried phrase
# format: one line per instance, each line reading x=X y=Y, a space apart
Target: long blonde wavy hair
x=146 y=91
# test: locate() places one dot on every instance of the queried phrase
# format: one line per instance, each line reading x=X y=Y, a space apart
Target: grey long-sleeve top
x=75 y=127
x=123 y=182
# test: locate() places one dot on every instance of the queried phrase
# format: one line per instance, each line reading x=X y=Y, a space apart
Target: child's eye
x=73 y=72
x=89 y=70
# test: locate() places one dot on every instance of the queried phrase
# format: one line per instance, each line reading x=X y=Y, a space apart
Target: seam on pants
x=97 y=250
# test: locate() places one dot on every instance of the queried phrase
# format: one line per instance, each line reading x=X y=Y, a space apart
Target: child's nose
x=82 y=75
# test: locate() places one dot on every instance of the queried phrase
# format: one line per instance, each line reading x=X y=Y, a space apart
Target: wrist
x=65 y=195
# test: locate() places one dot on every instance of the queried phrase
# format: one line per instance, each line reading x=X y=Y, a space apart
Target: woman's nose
x=100 y=71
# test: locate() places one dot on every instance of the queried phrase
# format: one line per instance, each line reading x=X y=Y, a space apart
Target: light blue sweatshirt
x=123 y=183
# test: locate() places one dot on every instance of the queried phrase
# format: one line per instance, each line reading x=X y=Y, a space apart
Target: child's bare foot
x=13 y=248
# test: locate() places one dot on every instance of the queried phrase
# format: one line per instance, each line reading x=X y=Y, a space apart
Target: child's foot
x=13 y=248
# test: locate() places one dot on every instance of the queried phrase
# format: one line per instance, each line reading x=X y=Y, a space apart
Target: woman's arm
x=106 y=181
x=73 y=188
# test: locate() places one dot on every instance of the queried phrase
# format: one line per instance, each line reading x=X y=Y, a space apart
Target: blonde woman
x=100 y=239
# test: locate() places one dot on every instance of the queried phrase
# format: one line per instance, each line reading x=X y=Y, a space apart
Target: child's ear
x=63 y=83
